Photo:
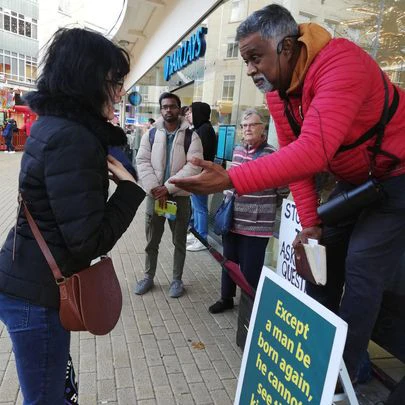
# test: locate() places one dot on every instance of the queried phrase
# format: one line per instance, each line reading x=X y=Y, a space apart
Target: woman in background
x=253 y=218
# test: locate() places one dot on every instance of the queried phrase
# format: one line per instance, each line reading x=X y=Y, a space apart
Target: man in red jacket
x=324 y=95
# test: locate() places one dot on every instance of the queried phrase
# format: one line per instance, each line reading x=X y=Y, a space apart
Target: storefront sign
x=293 y=349
x=289 y=227
x=187 y=52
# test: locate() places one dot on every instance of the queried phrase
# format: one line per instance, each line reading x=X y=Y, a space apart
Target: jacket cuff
x=130 y=191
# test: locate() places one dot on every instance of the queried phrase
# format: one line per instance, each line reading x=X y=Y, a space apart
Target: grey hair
x=250 y=111
x=272 y=22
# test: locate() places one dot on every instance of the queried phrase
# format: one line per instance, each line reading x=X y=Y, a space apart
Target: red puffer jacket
x=342 y=97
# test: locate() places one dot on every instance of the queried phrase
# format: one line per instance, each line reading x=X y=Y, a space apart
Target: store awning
x=150 y=28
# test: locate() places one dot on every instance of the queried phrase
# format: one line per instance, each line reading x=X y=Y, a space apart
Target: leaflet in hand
x=169 y=211
x=310 y=261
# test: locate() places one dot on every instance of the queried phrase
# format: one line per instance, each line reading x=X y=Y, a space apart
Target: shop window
x=27 y=29
x=238 y=10
x=232 y=48
x=21 y=27
x=7 y=24
x=14 y=23
x=228 y=87
x=21 y=70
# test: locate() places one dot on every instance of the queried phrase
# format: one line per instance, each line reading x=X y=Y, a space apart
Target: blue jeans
x=9 y=143
x=199 y=205
x=41 y=349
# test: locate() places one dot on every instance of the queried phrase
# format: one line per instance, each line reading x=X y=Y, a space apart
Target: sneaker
x=176 y=289
x=12 y=151
x=6 y=151
x=222 y=305
x=144 y=286
x=196 y=246
x=190 y=238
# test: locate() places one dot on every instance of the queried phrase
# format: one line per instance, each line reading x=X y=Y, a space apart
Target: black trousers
x=362 y=254
x=249 y=253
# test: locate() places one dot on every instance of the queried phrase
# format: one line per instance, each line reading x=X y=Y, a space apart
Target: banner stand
x=347 y=385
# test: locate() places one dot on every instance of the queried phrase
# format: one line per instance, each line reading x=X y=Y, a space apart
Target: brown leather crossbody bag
x=90 y=300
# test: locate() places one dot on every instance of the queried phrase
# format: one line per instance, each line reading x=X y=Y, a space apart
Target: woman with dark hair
x=64 y=182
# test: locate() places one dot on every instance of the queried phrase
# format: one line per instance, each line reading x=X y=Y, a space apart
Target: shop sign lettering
x=189 y=51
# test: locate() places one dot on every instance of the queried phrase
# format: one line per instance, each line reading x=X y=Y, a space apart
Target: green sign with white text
x=288 y=355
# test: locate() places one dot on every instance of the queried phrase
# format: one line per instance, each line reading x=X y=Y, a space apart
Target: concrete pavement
x=163 y=351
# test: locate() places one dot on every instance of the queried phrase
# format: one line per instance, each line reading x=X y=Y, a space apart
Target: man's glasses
x=169 y=107
x=251 y=125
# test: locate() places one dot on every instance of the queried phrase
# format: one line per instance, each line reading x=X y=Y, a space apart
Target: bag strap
x=59 y=278
x=386 y=116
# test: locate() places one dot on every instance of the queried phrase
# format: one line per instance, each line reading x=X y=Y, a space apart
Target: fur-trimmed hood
x=60 y=106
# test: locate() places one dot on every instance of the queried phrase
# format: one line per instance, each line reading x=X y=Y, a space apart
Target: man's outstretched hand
x=212 y=179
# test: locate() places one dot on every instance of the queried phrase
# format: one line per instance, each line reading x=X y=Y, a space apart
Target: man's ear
x=288 y=45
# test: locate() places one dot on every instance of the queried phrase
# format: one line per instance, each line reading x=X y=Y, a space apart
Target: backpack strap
x=152 y=133
x=187 y=138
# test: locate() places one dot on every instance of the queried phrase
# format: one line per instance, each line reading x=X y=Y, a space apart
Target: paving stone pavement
x=149 y=358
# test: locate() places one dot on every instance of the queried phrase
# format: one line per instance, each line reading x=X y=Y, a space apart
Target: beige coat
x=151 y=162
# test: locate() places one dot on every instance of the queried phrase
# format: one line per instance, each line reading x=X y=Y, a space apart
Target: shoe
x=222 y=305
x=6 y=151
x=196 y=247
x=144 y=286
x=12 y=151
x=190 y=238
x=176 y=289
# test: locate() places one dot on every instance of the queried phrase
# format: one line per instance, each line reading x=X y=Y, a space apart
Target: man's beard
x=262 y=83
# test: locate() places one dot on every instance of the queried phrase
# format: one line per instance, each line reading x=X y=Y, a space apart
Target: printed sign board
x=293 y=349
x=289 y=227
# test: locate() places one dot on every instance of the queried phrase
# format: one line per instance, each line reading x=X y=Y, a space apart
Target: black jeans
x=249 y=253
x=362 y=254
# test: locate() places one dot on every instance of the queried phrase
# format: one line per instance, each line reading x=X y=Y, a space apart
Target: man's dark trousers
x=362 y=255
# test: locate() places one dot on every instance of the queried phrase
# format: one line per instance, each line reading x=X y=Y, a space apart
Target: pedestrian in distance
x=8 y=133
x=198 y=115
x=64 y=182
x=165 y=153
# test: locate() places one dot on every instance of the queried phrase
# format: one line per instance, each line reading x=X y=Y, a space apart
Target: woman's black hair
x=84 y=66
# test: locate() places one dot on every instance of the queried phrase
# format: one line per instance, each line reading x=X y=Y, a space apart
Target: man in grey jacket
x=165 y=153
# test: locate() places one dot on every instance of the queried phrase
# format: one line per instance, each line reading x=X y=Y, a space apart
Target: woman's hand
x=314 y=232
x=118 y=171
x=212 y=179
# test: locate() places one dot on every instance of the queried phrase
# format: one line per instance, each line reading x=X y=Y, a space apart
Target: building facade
x=18 y=51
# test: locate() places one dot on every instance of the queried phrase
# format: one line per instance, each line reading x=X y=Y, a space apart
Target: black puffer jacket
x=64 y=180
x=202 y=125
